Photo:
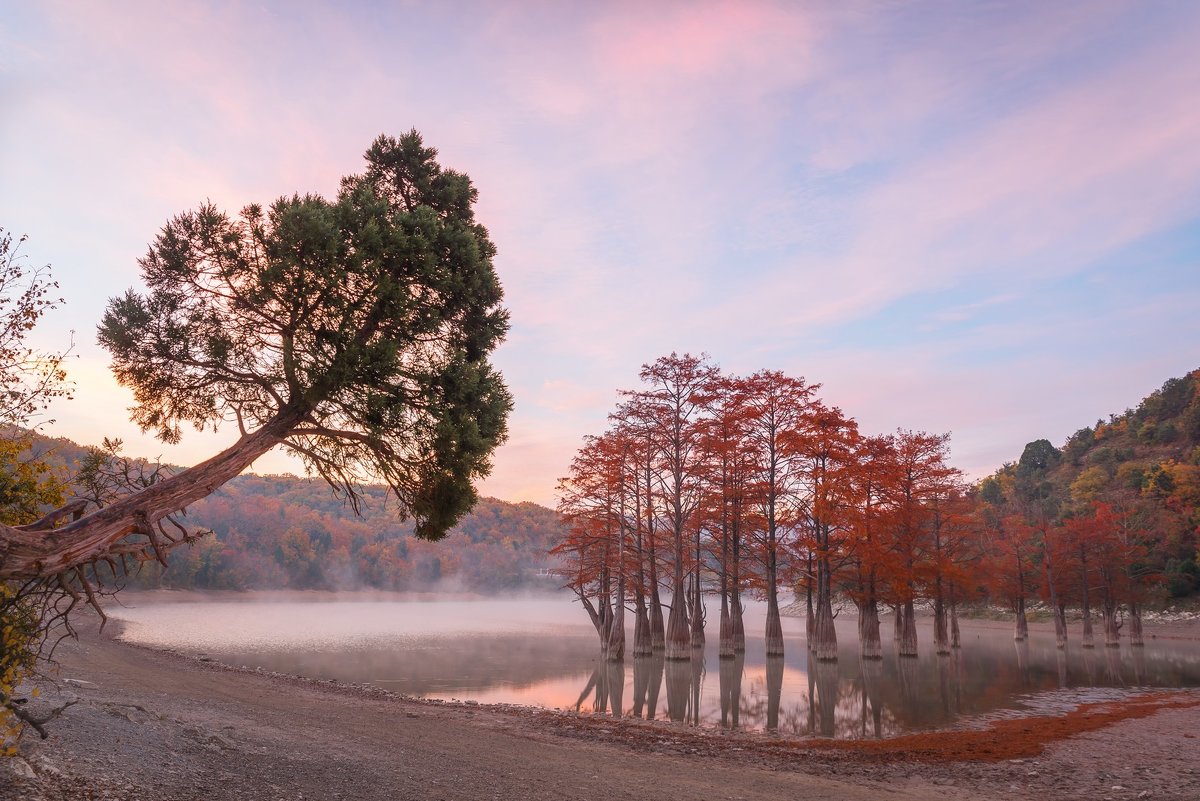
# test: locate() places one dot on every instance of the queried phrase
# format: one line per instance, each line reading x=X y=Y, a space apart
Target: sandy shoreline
x=157 y=725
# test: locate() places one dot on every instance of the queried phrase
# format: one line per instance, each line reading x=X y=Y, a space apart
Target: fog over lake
x=542 y=651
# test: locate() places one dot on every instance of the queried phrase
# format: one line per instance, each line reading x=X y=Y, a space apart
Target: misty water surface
x=541 y=651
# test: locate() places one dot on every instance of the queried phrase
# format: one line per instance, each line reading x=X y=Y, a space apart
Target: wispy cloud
x=773 y=183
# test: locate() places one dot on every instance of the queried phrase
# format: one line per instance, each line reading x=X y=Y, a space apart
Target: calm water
x=543 y=652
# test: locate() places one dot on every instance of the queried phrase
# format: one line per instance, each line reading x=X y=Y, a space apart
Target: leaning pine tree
x=354 y=332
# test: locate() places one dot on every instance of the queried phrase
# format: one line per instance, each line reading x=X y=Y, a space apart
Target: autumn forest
x=734 y=486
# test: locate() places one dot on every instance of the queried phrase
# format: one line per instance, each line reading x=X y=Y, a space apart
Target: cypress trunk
x=908 y=631
x=616 y=629
x=774 y=632
x=679 y=633
x=641 y=628
x=697 y=612
x=955 y=635
x=1135 y=624
x=825 y=648
x=1022 y=627
x=941 y=627
x=1088 y=640
x=1112 y=628
x=658 y=635
x=739 y=625
x=725 y=646
x=868 y=630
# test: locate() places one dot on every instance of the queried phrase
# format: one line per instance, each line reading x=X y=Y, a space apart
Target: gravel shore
x=164 y=727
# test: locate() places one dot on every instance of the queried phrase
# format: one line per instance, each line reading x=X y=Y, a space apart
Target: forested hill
x=1146 y=459
x=274 y=532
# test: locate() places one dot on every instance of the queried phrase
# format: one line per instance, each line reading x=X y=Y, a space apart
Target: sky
x=976 y=218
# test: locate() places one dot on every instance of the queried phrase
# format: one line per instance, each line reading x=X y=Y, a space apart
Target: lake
x=542 y=651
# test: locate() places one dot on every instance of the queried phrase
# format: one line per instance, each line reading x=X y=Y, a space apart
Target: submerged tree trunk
x=955 y=635
x=1088 y=640
x=641 y=628
x=1135 y=624
x=1022 y=627
x=738 y=623
x=658 y=631
x=1112 y=627
x=810 y=618
x=908 y=630
x=679 y=631
x=697 y=601
x=1059 y=610
x=825 y=648
x=725 y=646
x=737 y=627
x=774 y=630
x=725 y=635
x=941 y=627
x=868 y=629
x=897 y=624
x=616 y=629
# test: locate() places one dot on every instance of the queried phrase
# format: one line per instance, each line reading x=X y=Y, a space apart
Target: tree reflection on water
x=873 y=698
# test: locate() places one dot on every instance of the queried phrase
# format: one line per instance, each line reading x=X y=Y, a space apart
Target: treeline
x=288 y=532
x=708 y=483
x=285 y=532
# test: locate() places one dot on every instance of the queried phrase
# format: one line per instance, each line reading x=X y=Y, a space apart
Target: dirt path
x=152 y=725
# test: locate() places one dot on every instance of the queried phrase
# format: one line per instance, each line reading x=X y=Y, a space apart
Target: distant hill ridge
x=282 y=531
x=1148 y=456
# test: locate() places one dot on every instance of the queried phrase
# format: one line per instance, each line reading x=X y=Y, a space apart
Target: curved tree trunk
x=37 y=551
